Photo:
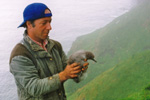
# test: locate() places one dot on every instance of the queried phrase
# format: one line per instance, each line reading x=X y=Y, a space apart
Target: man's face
x=41 y=29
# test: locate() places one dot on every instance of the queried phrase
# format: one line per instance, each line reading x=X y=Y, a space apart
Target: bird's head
x=90 y=55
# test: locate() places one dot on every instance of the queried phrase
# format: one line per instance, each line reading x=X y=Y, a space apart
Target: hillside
x=124 y=37
x=144 y=94
x=118 y=82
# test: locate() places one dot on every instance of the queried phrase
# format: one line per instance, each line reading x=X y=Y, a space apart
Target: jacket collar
x=35 y=46
x=40 y=52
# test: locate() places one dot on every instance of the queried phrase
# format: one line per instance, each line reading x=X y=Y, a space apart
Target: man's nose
x=49 y=27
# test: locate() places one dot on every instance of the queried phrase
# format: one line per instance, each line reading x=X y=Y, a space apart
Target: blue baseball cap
x=34 y=11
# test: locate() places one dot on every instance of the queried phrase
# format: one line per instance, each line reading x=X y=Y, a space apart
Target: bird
x=81 y=57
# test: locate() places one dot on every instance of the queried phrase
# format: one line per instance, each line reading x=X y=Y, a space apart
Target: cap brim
x=21 y=25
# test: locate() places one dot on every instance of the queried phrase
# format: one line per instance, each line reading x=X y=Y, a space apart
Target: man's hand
x=85 y=66
x=69 y=72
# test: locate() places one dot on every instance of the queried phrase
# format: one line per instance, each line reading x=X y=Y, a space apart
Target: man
x=37 y=62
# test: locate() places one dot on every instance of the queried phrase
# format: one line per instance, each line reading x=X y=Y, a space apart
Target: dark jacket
x=38 y=79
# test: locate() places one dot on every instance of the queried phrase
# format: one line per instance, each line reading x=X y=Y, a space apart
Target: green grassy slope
x=122 y=38
x=118 y=82
x=144 y=94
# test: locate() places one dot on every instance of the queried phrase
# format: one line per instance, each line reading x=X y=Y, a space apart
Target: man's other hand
x=70 y=72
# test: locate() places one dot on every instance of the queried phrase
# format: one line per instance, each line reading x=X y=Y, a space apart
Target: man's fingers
x=73 y=75
x=77 y=68
x=74 y=65
x=85 y=64
x=76 y=71
x=83 y=69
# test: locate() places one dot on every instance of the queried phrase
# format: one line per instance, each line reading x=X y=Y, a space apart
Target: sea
x=71 y=19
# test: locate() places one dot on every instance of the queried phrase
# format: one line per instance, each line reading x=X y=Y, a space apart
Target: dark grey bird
x=81 y=57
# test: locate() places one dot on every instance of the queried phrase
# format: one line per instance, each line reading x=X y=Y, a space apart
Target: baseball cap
x=35 y=11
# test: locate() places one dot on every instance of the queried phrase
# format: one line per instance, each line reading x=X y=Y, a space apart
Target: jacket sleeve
x=64 y=60
x=26 y=75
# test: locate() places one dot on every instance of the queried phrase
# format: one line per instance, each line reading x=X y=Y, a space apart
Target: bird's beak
x=94 y=60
